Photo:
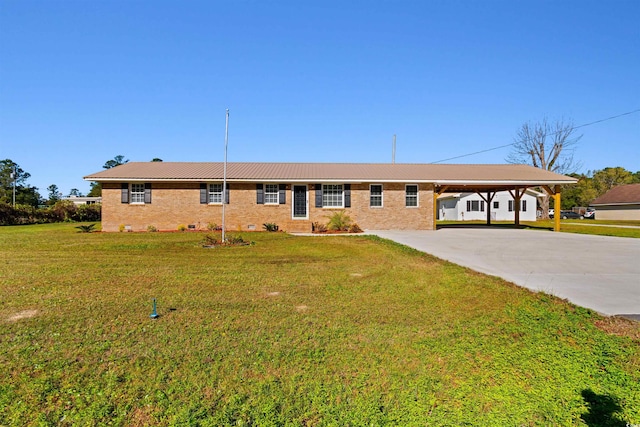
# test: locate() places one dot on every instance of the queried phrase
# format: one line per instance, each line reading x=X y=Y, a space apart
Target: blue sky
x=306 y=81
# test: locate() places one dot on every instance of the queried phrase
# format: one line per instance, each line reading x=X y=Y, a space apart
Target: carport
x=488 y=181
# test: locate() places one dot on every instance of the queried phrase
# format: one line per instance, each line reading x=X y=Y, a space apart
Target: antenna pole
x=224 y=174
x=393 y=150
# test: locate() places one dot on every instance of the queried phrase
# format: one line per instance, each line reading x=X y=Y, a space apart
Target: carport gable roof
x=621 y=195
x=437 y=174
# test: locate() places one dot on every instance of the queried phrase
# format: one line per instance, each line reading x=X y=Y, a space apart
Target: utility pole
x=14 y=177
x=224 y=174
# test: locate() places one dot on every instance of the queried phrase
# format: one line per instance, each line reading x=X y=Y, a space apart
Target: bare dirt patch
x=620 y=326
x=24 y=314
x=301 y=308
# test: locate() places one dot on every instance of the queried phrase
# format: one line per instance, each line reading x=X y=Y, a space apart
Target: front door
x=300 y=202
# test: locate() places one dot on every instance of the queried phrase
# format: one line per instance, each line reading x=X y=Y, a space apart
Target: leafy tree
x=74 y=192
x=25 y=194
x=548 y=146
x=54 y=194
x=95 y=190
x=607 y=178
x=155 y=159
x=116 y=161
x=580 y=194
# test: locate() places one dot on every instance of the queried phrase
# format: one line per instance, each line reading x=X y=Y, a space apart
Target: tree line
x=21 y=203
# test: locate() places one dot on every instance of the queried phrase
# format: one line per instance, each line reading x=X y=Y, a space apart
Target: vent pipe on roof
x=393 y=151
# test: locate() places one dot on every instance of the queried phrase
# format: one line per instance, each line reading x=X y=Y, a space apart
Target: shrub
x=182 y=227
x=236 y=241
x=318 y=227
x=339 y=221
x=355 y=228
x=121 y=228
x=87 y=213
x=151 y=228
x=210 y=240
x=64 y=210
x=86 y=228
x=270 y=226
x=212 y=226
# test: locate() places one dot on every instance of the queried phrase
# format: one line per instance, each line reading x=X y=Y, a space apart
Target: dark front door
x=300 y=201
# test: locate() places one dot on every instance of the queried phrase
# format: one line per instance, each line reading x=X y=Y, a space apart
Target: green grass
x=296 y=331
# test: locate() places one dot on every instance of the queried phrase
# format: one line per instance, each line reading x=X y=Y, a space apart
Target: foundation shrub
x=339 y=221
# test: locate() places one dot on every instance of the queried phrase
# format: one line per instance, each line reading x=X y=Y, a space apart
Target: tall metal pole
x=393 y=151
x=224 y=174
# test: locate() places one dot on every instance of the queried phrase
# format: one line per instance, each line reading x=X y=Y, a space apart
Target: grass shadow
x=494 y=226
x=603 y=410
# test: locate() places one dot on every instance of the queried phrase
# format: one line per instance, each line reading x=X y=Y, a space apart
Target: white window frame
x=271 y=194
x=407 y=196
x=137 y=194
x=215 y=197
x=373 y=197
x=336 y=192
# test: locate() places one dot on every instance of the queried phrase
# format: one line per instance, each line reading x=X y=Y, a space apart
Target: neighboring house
x=472 y=207
x=82 y=200
x=166 y=195
x=619 y=203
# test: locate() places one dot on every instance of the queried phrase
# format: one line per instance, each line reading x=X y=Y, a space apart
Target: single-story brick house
x=166 y=195
x=620 y=203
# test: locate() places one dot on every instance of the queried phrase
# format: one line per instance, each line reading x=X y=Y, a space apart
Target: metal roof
x=438 y=174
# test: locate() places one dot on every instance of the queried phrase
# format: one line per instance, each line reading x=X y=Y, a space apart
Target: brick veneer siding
x=175 y=204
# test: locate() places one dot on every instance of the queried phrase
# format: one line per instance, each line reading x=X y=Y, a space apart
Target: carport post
x=435 y=208
x=556 y=207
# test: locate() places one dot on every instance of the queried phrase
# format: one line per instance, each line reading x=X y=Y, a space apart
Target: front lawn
x=298 y=331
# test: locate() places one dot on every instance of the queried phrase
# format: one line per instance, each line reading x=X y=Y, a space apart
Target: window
x=215 y=193
x=375 y=197
x=137 y=193
x=411 y=196
x=496 y=205
x=475 y=205
x=523 y=206
x=332 y=196
x=271 y=192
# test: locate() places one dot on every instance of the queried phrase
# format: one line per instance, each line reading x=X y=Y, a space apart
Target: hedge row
x=62 y=211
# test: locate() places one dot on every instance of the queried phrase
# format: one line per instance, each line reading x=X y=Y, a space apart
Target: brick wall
x=175 y=204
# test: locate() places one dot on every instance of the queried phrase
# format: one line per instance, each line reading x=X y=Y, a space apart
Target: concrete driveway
x=598 y=272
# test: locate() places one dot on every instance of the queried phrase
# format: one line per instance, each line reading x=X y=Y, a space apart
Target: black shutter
x=124 y=193
x=481 y=205
x=203 y=194
x=468 y=205
x=318 y=195
x=147 y=192
x=260 y=194
x=347 y=195
x=282 y=196
x=226 y=195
